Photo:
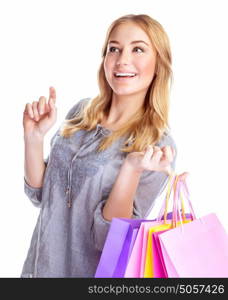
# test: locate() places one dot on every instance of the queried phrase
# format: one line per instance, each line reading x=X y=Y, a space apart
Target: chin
x=125 y=91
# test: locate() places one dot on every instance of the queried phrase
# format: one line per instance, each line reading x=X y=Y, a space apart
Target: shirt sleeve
x=35 y=194
x=76 y=108
x=100 y=226
x=150 y=186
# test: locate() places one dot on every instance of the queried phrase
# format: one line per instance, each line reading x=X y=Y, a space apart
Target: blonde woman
x=111 y=157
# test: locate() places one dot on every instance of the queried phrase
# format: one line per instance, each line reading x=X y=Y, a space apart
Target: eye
x=111 y=48
x=139 y=48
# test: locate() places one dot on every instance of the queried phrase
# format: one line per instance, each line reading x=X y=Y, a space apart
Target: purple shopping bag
x=120 y=242
x=117 y=247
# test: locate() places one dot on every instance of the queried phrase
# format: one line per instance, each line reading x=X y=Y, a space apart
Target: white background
x=58 y=43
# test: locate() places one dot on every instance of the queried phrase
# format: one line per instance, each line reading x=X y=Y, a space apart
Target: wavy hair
x=150 y=122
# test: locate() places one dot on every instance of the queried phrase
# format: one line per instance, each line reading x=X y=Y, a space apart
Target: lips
x=124 y=78
x=131 y=74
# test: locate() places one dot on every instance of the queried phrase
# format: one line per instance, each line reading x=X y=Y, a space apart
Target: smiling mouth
x=126 y=77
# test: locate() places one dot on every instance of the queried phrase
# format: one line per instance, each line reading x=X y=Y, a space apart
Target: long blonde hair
x=150 y=122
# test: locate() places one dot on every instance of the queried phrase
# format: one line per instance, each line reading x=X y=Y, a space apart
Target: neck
x=123 y=107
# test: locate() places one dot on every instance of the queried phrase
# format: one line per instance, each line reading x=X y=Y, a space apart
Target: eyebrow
x=134 y=42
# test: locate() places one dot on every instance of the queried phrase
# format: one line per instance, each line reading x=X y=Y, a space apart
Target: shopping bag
x=153 y=263
x=136 y=263
x=196 y=249
x=199 y=249
x=149 y=268
x=137 y=256
x=159 y=265
x=154 y=266
x=117 y=247
x=134 y=235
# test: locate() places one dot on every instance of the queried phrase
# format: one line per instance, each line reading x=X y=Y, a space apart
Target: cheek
x=108 y=64
x=148 y=67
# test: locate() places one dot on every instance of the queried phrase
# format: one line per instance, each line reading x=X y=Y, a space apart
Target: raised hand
x=40 y=116
x=153 y=159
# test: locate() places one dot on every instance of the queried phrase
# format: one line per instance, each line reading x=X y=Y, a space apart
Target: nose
x=124 y=58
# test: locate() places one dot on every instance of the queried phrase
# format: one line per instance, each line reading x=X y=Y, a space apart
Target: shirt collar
x=103 y=130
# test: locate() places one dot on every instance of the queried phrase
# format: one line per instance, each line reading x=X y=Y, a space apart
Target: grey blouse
x=67 y=242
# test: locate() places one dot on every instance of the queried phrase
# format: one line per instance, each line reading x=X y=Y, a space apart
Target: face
x=129 y=50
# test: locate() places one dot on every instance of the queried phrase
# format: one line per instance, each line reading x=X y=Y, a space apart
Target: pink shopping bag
x=199 y=249
x=196 y=249
x=137 y=257
x=159 y=265
x=136 y=263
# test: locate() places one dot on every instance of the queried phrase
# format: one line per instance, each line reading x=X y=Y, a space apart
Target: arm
x=138 y=190
x=34 y=170
x=38 y=118
x=120 y=202
x=132 y=196
x=33 y=153
x=34 y=166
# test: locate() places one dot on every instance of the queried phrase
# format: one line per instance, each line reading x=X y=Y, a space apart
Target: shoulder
x=77 y=107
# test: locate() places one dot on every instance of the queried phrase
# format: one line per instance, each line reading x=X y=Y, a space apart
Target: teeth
x=125 y=74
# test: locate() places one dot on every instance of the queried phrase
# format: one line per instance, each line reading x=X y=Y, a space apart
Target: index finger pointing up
x=52 y=94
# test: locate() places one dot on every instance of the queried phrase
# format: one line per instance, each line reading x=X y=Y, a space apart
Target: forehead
x=127 y=32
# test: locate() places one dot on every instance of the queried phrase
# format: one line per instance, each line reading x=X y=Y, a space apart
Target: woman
x=111 y=157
